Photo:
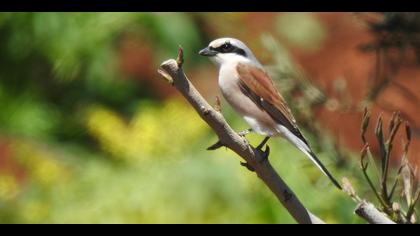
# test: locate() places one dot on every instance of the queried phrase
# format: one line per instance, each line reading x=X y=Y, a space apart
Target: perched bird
x=251 y=92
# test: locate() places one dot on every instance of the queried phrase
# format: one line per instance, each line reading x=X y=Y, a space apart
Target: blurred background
x=89 y=133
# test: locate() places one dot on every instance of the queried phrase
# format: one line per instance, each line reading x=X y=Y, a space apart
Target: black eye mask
x=229 y=48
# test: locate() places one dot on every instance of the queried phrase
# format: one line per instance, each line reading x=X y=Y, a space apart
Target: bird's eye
x=226 y=47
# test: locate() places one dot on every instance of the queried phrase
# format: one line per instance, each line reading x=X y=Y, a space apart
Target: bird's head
x=228 y=50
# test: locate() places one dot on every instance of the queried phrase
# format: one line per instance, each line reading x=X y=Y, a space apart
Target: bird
x=251 y=92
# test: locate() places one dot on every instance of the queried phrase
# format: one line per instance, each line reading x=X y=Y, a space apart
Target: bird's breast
x=258 y=119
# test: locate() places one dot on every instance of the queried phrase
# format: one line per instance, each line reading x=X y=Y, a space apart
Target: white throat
x=233 y=59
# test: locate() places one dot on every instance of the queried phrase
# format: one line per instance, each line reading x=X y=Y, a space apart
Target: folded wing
x=257 y=85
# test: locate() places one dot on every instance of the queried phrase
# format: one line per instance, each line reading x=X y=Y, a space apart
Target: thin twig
x=365 y=209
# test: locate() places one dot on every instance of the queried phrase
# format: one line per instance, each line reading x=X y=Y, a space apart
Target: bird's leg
x=243 y=133
x=266 y=153
x=259 y=147
x=262 y=156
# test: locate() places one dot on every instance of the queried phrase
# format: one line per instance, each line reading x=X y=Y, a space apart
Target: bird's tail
x=302 y=145
x=324 y=170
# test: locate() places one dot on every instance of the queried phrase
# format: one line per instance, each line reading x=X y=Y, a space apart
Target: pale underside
x=257 y=117
x=252 y=94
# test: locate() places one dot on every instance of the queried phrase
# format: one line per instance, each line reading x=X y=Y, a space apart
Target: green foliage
x=301 y=30
x=405 y=179
x=82 y=143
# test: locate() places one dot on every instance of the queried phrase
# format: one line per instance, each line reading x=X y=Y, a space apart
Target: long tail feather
x=324 y=170
x=304 y=147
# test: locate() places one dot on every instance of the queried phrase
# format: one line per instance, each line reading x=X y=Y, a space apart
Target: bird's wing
x=257 y=85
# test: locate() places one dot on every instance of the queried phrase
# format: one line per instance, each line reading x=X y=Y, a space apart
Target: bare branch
x=364 y=209
x=173 y=73
x=369 y=212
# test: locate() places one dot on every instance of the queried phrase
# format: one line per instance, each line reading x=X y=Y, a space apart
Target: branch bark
x=364 y=209
x=172 y=71
x=372 y=215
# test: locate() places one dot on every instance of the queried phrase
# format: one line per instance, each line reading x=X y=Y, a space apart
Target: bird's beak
x=208 y=52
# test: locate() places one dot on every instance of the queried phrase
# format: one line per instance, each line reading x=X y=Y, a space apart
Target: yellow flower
x=156 y=130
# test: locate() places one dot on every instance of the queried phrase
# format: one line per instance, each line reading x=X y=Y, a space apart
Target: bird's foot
x=263 y=154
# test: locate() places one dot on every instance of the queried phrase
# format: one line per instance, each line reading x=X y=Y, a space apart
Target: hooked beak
x=208 y=52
